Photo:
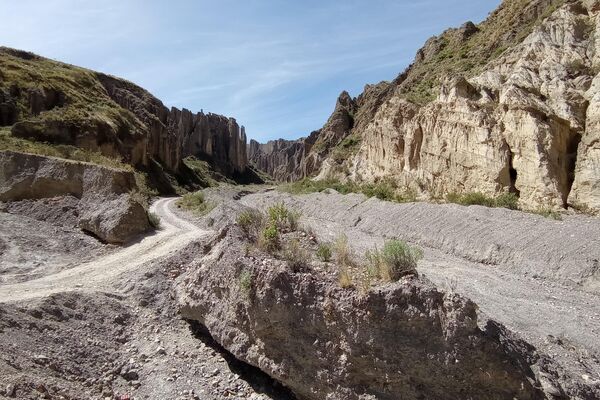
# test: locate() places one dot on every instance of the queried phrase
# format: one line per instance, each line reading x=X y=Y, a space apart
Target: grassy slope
x=84 y=106
x=86 y=102
x=8 y=142
x=506 y=27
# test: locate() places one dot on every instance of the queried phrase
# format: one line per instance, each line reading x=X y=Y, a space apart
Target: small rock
x=11 y=390
x=40 y=359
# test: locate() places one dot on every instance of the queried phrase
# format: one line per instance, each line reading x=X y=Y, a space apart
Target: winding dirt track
x=174 y=234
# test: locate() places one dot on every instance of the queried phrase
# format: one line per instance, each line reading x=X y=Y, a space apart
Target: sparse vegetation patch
x=385 y=190
x=196 y=203
x=324 y=252
x=504 y=200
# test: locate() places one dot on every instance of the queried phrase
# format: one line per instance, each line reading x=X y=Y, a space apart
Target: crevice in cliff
x=570 y=165
x=513 y=174
x=260 y=381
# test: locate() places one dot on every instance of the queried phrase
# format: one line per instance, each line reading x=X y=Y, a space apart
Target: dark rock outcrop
x=102 y=198
x=175 y=134
x=402 y=340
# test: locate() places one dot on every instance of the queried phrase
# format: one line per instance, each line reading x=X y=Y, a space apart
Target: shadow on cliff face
x=260 y=382
x=571 y=164
x=195 y=173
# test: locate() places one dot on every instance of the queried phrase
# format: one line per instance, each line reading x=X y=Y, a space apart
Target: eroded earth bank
x=503 y=305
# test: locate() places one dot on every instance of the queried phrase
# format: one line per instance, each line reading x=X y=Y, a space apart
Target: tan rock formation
x=524 y=121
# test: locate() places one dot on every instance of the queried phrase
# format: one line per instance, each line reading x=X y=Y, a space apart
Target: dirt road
x=96 y=275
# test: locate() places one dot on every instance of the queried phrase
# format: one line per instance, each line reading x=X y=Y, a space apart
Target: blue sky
x=276 y=66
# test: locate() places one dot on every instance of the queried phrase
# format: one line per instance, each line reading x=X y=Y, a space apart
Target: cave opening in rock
x=513 y=174
x=260 y=381
x=570 y=164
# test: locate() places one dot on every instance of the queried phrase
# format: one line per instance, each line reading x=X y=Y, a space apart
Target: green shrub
x=383 y=191
x=507 y=200
x=471 y=199
x=245 y=281
x=284 y=218
x=154 y=220
x=547 y=212
x=249 y=221
x=269 y=238
x=278 y=213
x=394 y=261
x=504 y=200
x=399 y=259
x=296 y=257
x=324 y=252
x=196 y=203
x=308 y=185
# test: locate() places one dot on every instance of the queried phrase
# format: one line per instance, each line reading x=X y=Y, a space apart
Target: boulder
x=104 y=196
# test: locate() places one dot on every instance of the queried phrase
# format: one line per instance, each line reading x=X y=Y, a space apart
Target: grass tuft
x=245 y=281
x=324 y=252
x=269 y=238
x=504 y=200
x=385 y=190
x=196 y=203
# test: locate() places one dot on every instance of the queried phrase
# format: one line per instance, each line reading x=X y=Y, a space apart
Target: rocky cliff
x=58 y=103
x=509 y=105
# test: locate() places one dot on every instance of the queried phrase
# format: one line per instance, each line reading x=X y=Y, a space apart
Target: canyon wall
x=175 y=134
x=510 y=105
x=54 y=102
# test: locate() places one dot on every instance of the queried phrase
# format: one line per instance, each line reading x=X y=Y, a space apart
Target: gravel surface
x=79 y=319
x=31 y=249
x=109 y=328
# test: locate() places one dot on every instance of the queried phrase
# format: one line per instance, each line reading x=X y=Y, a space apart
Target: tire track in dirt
x=95 y=275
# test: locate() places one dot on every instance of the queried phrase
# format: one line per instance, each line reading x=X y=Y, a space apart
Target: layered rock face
x=287 y=160
x=175 y=134
x=110 y=115
x=404 y=340
x=281 y=159
x=523 y=122
x=101 y=198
